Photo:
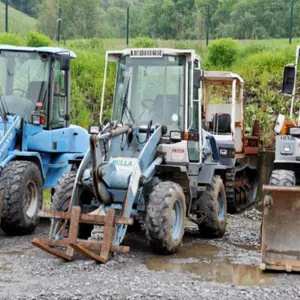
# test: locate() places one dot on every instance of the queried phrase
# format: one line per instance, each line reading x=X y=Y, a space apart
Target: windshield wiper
x=125 y=108
x=3 y=108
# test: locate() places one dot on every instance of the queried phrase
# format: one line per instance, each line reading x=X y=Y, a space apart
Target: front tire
x=21 y=184
x=213 y=203
x=62 y=197
x=165 y=217
x=283 y=178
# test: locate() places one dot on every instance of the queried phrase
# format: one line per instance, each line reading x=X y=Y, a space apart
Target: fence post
x=127 y=28
x=291 y=21
x=6 y=15
x=207 y=25
x=58 y=25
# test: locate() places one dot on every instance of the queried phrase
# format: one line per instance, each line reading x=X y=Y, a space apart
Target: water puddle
x=5 y=268
x=248 y=247
x=7 y=281
x=202 y=260
x=13 y=253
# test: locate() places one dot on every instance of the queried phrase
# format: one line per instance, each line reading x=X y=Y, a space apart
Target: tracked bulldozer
x=223 y=117
x=280 y=243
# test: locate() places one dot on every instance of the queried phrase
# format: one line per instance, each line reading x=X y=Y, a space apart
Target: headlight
x=176 y=135
x=223 y=151
x=294 y=130
x=287 y=149
x=36 y=119
x=94 y=129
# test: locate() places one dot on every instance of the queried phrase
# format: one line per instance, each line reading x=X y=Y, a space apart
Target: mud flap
x=280 y=242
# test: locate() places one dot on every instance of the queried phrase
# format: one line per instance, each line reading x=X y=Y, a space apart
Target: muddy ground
x=225 y=268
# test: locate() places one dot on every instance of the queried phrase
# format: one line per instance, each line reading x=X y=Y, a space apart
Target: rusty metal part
x=85 y=247
x=280 y=244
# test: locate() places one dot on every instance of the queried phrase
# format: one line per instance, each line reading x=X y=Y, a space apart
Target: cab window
x=59 y=97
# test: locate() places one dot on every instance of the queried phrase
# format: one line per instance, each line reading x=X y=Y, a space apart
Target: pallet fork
x=85 y=247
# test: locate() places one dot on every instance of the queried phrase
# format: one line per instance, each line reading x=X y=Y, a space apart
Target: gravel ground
x=225 y=268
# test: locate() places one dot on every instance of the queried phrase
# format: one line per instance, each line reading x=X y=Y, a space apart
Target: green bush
x=223 y=53
x=87 y=77
x=35 y=39
x=11 y=39
x=143 y=42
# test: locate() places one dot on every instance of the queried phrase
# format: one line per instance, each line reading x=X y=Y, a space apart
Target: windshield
x=151 y=89
x=24 y=81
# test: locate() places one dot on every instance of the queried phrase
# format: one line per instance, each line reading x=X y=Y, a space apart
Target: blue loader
x=37 y=143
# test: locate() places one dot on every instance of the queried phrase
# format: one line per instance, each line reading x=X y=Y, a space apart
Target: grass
x=117 y=44
x=17 y=21
x=47 y=199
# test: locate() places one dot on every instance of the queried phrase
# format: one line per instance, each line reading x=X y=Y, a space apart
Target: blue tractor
x=37 y=142
x=153 y=164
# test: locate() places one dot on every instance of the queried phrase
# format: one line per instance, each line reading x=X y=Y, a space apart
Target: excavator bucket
x=96 y=250
x=280 y=239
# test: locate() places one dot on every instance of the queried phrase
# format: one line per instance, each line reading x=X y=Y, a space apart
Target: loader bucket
x=280 y=239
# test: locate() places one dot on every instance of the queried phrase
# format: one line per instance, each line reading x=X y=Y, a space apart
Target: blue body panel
x=50 y=150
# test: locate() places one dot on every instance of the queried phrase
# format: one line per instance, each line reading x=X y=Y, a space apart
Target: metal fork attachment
x=96 y=250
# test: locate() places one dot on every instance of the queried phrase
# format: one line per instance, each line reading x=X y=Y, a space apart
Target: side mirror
x=288 y=79
x=198 y=75
x=279 y=123
x=65 y=62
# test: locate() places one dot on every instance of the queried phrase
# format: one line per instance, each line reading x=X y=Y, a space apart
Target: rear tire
x=283 y=178
x=165 y=217
x=213 y=203
x=21 y=184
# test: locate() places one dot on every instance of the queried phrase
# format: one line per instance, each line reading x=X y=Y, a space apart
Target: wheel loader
x=152 y=164
x=37 y=142
x=223 y=116
x=280 y=244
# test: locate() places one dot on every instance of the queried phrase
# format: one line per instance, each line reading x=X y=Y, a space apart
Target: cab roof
x=52 y=50
x=114 y=56
x=222 y=77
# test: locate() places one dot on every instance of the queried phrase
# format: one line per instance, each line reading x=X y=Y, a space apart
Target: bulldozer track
x=237 y=187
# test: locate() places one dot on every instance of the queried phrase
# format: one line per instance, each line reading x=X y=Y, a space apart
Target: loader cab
x=34 y=84
x=161 y=86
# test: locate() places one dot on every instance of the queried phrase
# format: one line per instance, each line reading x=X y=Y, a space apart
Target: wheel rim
x=177 y=219
x=31 y=199
x=221 y=211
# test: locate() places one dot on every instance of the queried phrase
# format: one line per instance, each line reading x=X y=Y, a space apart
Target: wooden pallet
x=72 y=243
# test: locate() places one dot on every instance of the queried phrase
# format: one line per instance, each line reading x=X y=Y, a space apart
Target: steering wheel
x=20 y=90
x=148 y=104
x=148 y=133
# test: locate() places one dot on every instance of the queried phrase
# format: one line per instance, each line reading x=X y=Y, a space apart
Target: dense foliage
x=259 y=63
x=165 y=19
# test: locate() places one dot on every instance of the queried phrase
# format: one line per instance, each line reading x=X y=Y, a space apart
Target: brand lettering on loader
x=287 y=138
x=122 y=163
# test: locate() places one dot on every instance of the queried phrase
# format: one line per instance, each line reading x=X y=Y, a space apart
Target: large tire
x=165 y=217
x=213 y=202
x=283 y=178
x=22 y=186
x=62 y=197
x=222 y=123
x=63 y=192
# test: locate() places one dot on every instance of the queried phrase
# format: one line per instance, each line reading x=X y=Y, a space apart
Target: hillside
x=17 y=21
